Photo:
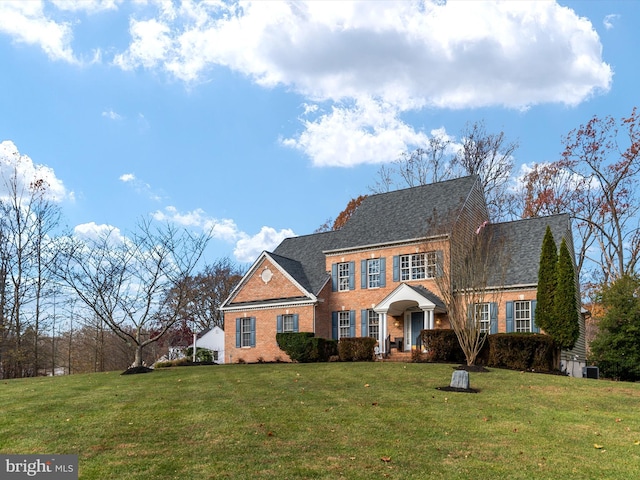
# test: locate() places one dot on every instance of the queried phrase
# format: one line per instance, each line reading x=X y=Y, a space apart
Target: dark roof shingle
x=518 y=245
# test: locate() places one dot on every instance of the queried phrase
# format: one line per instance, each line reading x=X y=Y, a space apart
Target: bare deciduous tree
x=206 y=292
x=488 y=155
x=596 y=183
x=125 y=281
x=472 y=269
x=27 y=219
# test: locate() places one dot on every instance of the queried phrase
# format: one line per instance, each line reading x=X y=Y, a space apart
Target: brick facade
x=300 y=277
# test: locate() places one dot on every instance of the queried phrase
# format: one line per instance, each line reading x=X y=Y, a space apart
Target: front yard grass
x=326 y=421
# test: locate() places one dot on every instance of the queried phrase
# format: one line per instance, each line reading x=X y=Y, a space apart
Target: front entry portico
x=417 y=305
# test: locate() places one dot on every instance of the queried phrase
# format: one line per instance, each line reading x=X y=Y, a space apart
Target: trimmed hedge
x=442 y=346
x=357 y=349
x=522 y=351
x=304 y=347
x=518 y=351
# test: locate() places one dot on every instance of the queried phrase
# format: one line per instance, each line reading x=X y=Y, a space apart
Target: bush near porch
x=305 y=347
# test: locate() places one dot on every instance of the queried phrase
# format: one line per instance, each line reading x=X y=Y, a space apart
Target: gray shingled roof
x=429 y=295
x=382 y=218
x=521 y=244
x=302 y=257
x=405 y=214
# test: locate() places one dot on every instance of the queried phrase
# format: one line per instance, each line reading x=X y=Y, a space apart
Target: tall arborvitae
x=547 y=282
x=567 y=328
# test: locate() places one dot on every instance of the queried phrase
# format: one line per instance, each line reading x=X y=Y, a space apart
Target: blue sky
x=262 y=120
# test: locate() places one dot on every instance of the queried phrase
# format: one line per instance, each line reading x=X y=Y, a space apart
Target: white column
x=382 y=333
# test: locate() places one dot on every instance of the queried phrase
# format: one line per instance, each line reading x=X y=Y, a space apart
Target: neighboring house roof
x=407 y=214
x=520 y=243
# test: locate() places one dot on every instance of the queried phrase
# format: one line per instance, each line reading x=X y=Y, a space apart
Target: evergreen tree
x=566 y=328
x=547 y=282
x=616 y=349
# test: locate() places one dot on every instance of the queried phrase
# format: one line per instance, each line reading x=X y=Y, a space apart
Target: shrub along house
x=377 y=276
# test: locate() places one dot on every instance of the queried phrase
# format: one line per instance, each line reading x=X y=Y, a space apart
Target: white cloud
x=110 y=114
x=88 y=6
x=26 y=22
x=452 y=55
x=94 y=232
x=140 y=187
x=26 y=172
x=367 y=131
x=352 y=58
x=247 y=247
x=379 y=57
x=609 y=20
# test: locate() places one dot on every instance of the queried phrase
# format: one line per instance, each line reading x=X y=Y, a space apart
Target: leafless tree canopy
x=206 y=292
x=126 y=281
x=479 y=152
x=27 y=219
x=474 y=264
x=596 y=182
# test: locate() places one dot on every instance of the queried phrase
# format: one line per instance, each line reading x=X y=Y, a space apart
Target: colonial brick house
x=377 y=275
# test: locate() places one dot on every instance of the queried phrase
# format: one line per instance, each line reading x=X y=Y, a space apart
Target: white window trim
x=344 y=316
x=343 y=276
x=516 y=327
x=376 y=274
x=245 y=332
x=418 y=266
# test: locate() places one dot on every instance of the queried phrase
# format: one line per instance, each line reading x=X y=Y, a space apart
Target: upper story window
x=418 y=266
x=373 y=273
x=343 y=276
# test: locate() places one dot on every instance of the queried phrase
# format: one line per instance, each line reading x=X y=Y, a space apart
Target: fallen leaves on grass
x=385 y=459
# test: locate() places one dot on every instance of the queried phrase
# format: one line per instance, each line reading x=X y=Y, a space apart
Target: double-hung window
x=287 y=323
x=412 y=266
x=522 y=316
x=343 y=276
x=373 y=273
x=344 y=324
x=418 y=266
x=373 y=319
x=483 y=317
x=246 y=332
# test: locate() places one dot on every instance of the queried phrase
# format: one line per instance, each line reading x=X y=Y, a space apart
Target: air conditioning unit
x=590 y=372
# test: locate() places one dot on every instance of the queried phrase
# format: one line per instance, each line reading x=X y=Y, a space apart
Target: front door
x=417 y=324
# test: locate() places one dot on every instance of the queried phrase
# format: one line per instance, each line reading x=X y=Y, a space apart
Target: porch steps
x=395 y=356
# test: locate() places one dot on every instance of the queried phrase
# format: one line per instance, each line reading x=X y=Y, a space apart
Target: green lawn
x=335 y=420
